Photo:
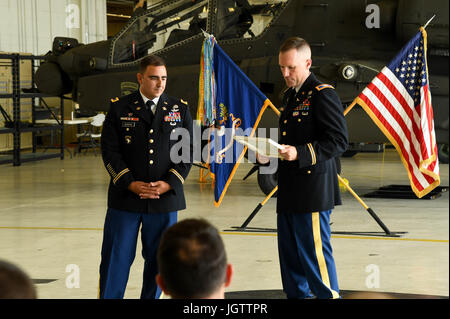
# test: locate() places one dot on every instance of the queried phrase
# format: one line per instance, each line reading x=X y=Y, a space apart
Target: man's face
x=295 y=66
x=153 y=81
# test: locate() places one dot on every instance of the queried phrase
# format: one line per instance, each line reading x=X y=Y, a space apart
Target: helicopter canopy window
x=161 y=27
x=245 y=18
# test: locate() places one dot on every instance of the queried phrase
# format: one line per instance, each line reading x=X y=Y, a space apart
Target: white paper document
x=262 y=145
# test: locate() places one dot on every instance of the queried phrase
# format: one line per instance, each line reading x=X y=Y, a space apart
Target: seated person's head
x=14 y=283
x=192 y=261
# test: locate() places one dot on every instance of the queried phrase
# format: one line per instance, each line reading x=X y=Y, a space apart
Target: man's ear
x=308 y=63
x=229 y=275
x=139 y=78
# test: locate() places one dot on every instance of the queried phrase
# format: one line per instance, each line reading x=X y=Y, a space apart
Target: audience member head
x=15 y=283
x=192 y=261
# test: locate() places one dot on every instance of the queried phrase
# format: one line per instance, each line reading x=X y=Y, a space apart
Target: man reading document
x=313 y=132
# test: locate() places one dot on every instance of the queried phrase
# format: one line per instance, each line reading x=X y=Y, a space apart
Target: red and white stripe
x=408 y=126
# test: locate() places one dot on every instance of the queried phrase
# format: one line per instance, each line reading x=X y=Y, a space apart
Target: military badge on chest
x=174 y=116
x=302 y=107
x=129 y=121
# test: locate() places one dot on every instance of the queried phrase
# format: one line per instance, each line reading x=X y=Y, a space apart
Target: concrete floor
x=52 y=213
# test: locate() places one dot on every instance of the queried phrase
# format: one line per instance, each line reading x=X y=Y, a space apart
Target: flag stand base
x=251 y=229
x=370 y=233
x=393 y=234
x=404 y=192
x=387 y=232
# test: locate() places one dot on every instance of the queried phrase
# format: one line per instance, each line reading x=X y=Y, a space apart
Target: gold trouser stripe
x=319 y=253
x=177 y=175
x=313 y=154
x=126 y=170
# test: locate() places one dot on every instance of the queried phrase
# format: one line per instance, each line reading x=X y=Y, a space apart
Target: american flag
x=399 y=102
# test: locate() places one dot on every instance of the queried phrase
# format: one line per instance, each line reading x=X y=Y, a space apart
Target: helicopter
x=351 y=41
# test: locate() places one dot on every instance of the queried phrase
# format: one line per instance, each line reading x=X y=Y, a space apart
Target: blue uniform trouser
x=306 y=256
x=119 y=249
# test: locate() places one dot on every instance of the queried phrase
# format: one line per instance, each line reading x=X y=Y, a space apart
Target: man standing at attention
x=313 y=132
x=146 y=188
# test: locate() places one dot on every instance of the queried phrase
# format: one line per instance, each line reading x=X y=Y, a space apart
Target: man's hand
x=262 y=159
x=155 y=189
x=289 y=153
x=138 y=187
x=151 y=190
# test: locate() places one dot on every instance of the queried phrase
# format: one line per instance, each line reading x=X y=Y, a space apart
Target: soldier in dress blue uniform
x=313 y=132
x=146 y=187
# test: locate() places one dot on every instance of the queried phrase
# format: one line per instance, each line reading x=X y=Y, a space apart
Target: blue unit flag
x=238 y=106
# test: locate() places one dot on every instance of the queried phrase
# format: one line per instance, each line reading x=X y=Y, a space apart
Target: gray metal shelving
x=18 y=157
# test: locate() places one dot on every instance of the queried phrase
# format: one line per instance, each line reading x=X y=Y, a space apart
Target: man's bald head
x=295 y=61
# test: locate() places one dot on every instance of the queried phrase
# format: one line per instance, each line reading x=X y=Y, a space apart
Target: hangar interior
x=52 y=211
x=52 y=215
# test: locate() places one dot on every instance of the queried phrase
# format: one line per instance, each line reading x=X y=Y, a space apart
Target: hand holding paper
x=265 y=147
x=288 y=152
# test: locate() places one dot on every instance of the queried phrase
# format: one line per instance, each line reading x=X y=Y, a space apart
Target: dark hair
x=150 y=60
x=191 y=259
x=15 y=283
x=294 y=43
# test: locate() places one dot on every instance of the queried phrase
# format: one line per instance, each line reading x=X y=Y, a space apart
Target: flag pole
x=348 y=109
x=371 y=212
x=257 y=208
x=277 y=112
x=426 y=24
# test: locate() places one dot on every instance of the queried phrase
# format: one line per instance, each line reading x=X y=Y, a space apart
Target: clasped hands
x=150 y=190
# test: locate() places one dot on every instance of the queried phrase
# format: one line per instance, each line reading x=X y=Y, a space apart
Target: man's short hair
x=294 y=43
x=191 y=259
x=150 y=60
x=15 y=283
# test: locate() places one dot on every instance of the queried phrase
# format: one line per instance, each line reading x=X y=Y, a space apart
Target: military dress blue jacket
x=312 y=120
x=136 y=148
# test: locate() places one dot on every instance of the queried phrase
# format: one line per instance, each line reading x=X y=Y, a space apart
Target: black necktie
x=149 y=105
x=291 y=98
